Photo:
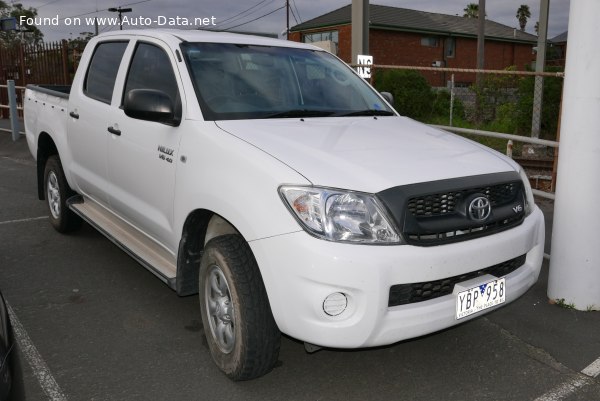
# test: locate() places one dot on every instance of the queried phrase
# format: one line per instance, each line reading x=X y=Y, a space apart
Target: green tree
x=523 y=14
x=29 y=33
x=550 y=108
x=492 y=92
x=471 y=11
x=80 y=41
x=413 y=96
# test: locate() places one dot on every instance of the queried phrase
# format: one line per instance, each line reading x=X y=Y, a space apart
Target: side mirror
x=388 y=97
x=150 y=105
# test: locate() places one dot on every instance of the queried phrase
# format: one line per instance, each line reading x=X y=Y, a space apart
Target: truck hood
x=367 y=154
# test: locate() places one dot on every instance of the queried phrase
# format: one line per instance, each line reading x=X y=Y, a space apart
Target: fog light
x=335 y=304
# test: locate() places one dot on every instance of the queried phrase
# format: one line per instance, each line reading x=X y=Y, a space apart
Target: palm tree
x=537 y=27
x=522 y=14
x=471 y=11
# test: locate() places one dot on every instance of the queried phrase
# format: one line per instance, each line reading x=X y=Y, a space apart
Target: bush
x=413 y=96
x=493 y=92
x=550 y=105
x=440 y=109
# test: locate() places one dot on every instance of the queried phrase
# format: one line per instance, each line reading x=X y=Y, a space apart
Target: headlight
x=529 y=202
x=337 y=215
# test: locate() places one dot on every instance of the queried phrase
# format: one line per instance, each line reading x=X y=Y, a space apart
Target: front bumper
x=300 y=271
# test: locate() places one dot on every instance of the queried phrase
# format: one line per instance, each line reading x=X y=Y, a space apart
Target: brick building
x=399 y=36
x=556 y=53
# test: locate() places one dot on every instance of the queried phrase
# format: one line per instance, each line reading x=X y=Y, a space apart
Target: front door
x=143 y=155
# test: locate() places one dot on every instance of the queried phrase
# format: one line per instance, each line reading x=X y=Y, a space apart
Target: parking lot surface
x=95 y=325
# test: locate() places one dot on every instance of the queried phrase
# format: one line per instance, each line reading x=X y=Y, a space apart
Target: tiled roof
x=562 y=38
x=402 y=19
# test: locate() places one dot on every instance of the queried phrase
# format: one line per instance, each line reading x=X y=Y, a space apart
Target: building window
x=429 y=41
x=450 y=47
x=321 y=36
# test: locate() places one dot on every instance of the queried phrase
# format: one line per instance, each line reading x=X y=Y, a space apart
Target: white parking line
x=23 y=220
x=593 y=369
x=33 y=357
x=572 y=386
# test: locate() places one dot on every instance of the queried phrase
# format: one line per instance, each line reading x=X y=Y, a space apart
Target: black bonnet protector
x=456 y=209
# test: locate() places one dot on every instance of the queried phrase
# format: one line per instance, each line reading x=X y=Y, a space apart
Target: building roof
x=403 y=19
x=562 y=38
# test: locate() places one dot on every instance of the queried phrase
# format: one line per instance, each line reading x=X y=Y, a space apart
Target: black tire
x=56 y=192
x=241 y=333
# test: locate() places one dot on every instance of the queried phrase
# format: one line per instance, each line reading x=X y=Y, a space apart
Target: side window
x=151 y=69
x=102 y=72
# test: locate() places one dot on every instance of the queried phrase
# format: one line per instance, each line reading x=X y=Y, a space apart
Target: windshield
x=235 y=82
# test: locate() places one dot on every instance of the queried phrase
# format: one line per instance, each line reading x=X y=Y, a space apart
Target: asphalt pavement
x=95 y=325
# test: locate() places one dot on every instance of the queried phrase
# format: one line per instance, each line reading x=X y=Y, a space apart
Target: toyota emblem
x=480 y=208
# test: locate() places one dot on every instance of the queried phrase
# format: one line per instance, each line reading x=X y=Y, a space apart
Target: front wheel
x=240 y=330
x=57 y=192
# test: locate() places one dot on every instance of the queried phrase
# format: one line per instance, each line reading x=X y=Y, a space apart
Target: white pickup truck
x=268 y=177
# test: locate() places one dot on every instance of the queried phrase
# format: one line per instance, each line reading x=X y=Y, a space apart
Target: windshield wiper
x=300 y=113
x=367 y=112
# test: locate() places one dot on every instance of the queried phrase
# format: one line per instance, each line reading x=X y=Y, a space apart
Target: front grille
x=403 y=294
x=437 y=212
x=436 y=238
x=445 y=202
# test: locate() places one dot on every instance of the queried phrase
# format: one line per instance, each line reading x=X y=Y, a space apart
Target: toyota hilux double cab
x=269 y=178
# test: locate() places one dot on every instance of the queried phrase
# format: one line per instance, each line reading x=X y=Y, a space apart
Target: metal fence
x=14 y=94
x=47 y=63
x=499 y=108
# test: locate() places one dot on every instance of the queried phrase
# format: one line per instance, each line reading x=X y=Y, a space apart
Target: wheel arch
x=200 y=226
x=45 y=148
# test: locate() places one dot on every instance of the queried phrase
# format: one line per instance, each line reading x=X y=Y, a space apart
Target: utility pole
x=120 y=11
x=575 y=263
x=360 y=29
x=540 y=61
x=287 y=17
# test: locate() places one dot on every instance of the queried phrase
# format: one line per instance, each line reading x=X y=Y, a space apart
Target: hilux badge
x=480 y=208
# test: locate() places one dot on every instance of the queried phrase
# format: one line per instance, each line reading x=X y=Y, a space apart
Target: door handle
x=74 y=115
x=114 y=131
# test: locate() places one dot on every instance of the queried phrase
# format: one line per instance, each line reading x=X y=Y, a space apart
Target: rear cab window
x=102 y=72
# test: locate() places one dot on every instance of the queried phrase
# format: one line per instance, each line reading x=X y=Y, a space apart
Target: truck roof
x=188 y=35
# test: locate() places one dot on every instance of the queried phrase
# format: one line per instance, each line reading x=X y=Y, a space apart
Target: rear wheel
x=239 y=326
x=57 y=192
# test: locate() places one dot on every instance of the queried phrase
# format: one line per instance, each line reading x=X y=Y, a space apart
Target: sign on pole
x=8 y=24
x=364 y=72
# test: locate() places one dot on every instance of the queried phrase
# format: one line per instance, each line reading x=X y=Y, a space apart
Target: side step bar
x=145 y=251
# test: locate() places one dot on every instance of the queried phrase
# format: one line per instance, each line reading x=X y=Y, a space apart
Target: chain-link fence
x=521 y=103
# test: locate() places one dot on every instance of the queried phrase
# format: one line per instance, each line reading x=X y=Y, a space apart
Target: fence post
x=509 y=148
x=22 y=64
x=451 y=99
x=65 y=61
x=12 y=103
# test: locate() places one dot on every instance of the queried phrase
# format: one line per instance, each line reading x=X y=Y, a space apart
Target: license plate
x=481 y=297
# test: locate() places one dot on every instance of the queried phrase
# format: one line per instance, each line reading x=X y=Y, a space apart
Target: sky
x=238 y=14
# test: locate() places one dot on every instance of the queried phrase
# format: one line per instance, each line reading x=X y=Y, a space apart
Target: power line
x=262 y=16
x=240 y=13
x=238 y=18
x=297 y=11
x=45 y=4
x=294 y=15
x=133 y=4
x=105 y=9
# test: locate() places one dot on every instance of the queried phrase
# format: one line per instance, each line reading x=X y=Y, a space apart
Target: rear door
x=89 y=107
x=143 y=155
